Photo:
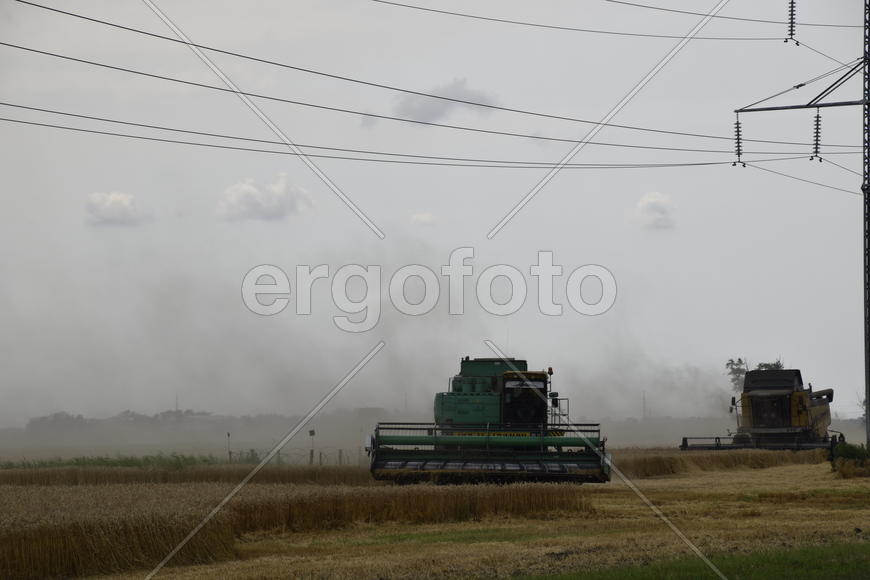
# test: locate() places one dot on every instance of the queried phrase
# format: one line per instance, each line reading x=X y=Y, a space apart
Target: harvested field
x=724 y=513
x=732 y=501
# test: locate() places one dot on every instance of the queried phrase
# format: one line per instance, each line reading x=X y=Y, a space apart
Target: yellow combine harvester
x=776 y=411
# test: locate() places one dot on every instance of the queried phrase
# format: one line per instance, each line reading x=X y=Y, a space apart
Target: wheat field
x=633 y=462
x=74 y=521
x=738 y=511
x=643 y=463
x=61 y=531
x=96 y=475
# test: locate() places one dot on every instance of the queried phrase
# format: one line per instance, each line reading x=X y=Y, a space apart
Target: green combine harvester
x=498 y=422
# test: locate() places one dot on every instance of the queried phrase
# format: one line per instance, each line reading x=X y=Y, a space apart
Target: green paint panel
x=488 y=440
x=490 y=367
x=472 y=408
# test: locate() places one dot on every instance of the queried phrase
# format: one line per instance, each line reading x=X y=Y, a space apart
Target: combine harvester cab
x=498 y=422
x=775 y=411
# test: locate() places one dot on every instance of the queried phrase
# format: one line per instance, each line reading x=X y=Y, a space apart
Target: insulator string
x=817 y=137
x=738 y=142
x=792 y=13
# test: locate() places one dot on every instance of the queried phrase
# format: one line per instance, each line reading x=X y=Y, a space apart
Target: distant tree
x=132 y=416
x=56 y=423
x=736 y=372
x=180 y=415
x=771 y=366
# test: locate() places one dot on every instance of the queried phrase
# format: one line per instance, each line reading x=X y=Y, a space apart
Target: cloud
x=367 y=122
x=423 y=219
x=114 y=209
x=430 y=110
x=247 y=200
x=655 y=211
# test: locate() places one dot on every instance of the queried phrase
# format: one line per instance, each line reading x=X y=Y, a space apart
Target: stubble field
x=310 y=522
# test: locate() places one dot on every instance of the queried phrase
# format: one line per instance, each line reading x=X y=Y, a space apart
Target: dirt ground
x=721 y=512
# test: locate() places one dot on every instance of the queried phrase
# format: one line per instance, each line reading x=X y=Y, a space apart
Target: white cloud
x=655 y=211
x=114 y=209
x=430 y=110
x=367 y=122
x=275 y=201
x=423 y=219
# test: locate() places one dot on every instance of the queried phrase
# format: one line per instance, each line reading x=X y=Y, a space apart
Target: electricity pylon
x=863 y=66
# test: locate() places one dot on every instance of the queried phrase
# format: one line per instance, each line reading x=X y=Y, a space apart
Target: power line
x=339 y=77
x=566 y=28
x=752 y=164
x=394 y=161
x=394 y=118
x=435 y=96
x=264 y=118
x=347 y=150
x=843 y=167
x=610 y=115
x=819 y=52
x=843 y=66
x=674 y=10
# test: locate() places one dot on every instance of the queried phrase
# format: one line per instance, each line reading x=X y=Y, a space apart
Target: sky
x=122 y=260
